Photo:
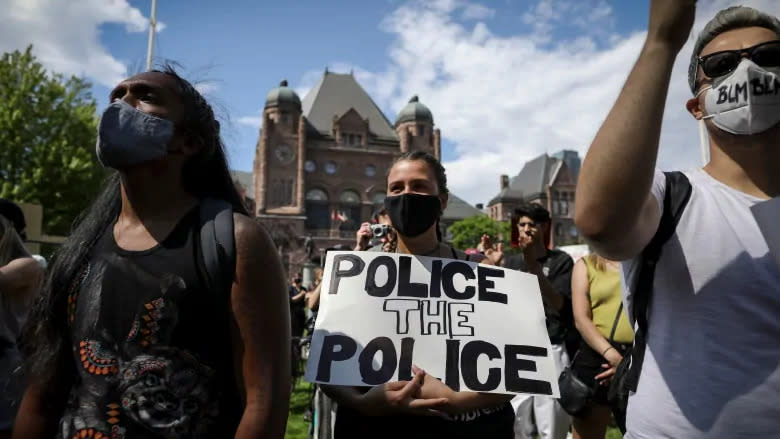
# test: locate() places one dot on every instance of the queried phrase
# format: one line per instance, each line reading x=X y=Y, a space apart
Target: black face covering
x=413 y=214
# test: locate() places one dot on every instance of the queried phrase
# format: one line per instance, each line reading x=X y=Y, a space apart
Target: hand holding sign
x=401 y=396
x=476 y=327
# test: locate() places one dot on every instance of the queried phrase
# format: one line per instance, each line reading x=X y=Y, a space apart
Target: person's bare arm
x=615 y=210
x=261 y=332
x=20 y=276
x=387 y=399
x=32 y=421
x=313 y=298
x=583 y=315
x=298 y=297
x=362 y=237
x=459 y=402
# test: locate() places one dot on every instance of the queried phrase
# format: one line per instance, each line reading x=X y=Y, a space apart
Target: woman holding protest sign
x=423 y=407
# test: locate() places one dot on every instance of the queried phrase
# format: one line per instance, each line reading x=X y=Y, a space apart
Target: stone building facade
x=550 y=181
x=321 y=162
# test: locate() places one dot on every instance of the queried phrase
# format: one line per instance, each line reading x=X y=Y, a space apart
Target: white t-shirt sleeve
x=658 y=189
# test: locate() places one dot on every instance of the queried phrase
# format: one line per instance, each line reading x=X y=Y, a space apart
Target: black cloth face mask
x=413 y=214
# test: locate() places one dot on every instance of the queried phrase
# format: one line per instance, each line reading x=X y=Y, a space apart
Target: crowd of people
x=164 y=313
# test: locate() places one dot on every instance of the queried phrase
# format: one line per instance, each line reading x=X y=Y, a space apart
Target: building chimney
x=504 y=181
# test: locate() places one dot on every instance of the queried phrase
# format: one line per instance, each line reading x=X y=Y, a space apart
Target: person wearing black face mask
x=416 y=197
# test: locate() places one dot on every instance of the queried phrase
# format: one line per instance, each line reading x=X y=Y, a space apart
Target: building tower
x=280 y=155
x=414 y=126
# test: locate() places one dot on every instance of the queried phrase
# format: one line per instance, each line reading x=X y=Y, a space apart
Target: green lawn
x=297 y=428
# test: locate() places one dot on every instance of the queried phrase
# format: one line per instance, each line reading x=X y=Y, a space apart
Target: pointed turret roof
x=334 y=95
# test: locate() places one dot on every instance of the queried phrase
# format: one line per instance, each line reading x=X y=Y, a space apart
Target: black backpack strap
x=615 y=323
x=678 y=192
x=217 y=244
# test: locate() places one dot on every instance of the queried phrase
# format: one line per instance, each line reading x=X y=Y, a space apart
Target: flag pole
x=152 y=28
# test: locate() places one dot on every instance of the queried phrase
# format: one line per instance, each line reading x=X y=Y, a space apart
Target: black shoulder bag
x=576 y=396
x=626 y=378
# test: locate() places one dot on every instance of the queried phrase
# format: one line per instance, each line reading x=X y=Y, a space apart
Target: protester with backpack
x=165 y=314
x=700 y=279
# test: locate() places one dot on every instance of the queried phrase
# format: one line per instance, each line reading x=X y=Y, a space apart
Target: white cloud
x=206 y=88
x=477 y=12
x=504 y=100
x=65 y=34
x=252 y=121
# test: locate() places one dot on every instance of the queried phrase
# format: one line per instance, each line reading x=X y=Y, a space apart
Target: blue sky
x=506 y=80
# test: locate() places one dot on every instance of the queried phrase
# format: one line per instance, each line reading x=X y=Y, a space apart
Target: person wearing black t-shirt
x=554 y=268
x=297 y=295
x=423 y=407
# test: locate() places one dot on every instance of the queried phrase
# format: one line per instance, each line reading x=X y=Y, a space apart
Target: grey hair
x=728 y=19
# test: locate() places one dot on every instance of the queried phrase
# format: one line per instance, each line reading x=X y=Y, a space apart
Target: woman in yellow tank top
x=606 y=334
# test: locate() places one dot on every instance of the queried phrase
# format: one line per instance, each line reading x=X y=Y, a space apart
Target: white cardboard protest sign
x=475 y=327
x=766 y=214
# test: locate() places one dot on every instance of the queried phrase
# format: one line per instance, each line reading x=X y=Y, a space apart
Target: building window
x=316 y=195
x=310 y=166
x=370 y=170
x=378 y=198
x=317 y=214
x=330 y=168
x=281 y=193
x=348 y=214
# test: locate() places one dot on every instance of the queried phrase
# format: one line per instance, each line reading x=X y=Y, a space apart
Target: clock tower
x=280 y=156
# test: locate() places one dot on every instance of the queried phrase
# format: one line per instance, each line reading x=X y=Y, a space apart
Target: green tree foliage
x=467 y=233
x=48 y=128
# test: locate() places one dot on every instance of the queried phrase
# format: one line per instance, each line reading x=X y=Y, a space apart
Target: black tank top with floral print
x=151 y=344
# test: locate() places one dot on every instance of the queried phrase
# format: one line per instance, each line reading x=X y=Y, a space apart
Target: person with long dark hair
x=128 y=339
x=424 y=407
x=20 y=277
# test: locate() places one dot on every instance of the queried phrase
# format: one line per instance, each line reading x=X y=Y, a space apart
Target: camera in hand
x=379 y=230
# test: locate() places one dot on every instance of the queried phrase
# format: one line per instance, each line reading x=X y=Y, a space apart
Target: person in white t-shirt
x=712 y=361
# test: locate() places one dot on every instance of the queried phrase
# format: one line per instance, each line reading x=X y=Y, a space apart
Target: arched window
x=378 y=198
x=349 y=210
x=317 y=215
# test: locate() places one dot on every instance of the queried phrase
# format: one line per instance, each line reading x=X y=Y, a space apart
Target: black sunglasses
x=724 y=62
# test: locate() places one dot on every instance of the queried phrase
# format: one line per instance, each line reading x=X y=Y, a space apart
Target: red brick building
x=550 y=181
x=321 y=162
